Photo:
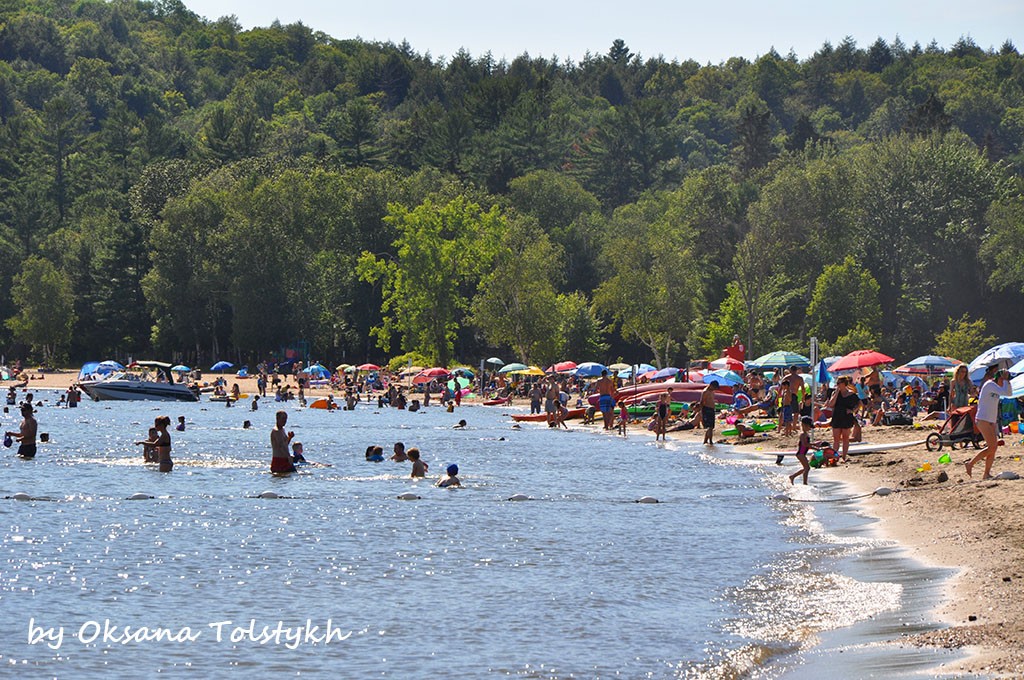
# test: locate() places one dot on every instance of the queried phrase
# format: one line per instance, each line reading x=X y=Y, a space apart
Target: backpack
x=896 y=418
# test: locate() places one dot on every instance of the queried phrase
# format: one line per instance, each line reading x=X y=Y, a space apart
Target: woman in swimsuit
x=664 y=408
x=844 y=403
x=160 y=443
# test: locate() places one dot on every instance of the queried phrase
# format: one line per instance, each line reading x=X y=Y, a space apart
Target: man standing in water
x=606 y=402
x=27 y=433
x=551 y=402
x=281 y=459
x=707 y=410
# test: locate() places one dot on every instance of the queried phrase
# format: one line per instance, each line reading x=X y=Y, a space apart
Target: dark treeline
x=178 y=187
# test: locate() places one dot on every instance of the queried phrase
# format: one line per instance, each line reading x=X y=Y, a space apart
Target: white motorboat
x=124 y=385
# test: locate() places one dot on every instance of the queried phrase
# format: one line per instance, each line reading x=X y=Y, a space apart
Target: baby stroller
x=959 y=428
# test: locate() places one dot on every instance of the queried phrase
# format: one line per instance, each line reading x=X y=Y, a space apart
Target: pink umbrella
x=430 y=374
x=367 y=367
x=563 y=367
x=860 y=359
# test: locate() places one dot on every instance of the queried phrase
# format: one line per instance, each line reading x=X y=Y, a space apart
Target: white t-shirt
x=988 y=400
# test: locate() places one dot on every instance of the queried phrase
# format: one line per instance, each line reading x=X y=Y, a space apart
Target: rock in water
x=408 y=496
x=647 y=499
x=519 y=497
x=269 y=494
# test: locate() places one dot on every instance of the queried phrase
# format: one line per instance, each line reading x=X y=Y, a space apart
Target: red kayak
x=683 y=392
x=498 y=402
x=542 y=417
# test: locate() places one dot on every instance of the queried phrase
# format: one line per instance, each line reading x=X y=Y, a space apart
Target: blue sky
x=706 y=31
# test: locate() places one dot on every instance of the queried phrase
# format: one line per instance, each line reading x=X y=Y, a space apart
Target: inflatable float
x=542 y=417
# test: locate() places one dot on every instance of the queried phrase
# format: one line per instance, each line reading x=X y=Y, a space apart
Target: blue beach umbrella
x=180 y=368
x=590 y=369
x=109 y=366
x=509 y=368
x=1004 y=355
x=318 y=371
x=221 y=366
x=727 y=378
x=667 y=372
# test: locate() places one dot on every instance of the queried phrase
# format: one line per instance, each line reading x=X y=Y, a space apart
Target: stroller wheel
x=933 y=442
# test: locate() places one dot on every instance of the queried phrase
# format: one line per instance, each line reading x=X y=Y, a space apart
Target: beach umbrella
x=727 y=364
x=1004 y=356
x=318 y=371
x=529 y=370
x=367 y=367
x=781 y=359
x=859 y=359
x=180 y=368
x=495 y=361
x=109 y=366
x=435 y=372
x=342 y=367
x=928 y=364
x=512 y=368
x=563 y=367
x=831 y=360
x=620 y=367
x=590 y=369
x=464 y=371
x=668 y=372
x=221 y=366
x=1017 y=368
x=823 y=376
x=458 y=383
x=727 y=378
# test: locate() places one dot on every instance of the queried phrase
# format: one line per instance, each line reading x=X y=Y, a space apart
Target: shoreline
x=964 y=525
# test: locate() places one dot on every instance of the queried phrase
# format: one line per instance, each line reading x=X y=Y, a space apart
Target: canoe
x=542 y=417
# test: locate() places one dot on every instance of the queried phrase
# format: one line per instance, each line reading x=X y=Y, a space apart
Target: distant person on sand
x=707 y=411
x=661 y=415
x=281 y=459
x=996 y=384
x=606 y=402
x=161 y=443
x=26 y=434
x=802 y=448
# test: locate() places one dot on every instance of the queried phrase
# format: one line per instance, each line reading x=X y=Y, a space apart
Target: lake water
x=717 y=580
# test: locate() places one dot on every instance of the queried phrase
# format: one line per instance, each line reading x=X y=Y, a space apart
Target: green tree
x=45 y=303
x=963 y=339
x=442 y=250
x=845 y=297
x=653 y=293
x=516 y=303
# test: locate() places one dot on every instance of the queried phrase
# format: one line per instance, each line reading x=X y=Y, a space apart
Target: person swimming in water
x=281 y=460
x=419 y=467
x=460 y=425
x=399 y=455
x=161 y=443
x=374 y=454
x=297 y=456
x=452 y=479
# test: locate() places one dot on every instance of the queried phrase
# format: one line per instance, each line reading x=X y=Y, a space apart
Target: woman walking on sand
x=844 y=403
x=996 y=384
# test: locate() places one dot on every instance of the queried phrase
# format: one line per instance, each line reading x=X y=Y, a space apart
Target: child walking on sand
x=806 y=425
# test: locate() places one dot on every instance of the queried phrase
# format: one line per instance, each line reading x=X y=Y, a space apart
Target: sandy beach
x=964 y=524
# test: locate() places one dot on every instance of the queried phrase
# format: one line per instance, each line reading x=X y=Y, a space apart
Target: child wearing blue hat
x=452 y=479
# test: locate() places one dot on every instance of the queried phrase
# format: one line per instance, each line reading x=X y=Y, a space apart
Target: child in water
x=149 y=450
x=181 y=424
x=806 y=425
x=297 y=456
x=452 y=479
x=399 y=455
x=374 y=454
x=419 y=468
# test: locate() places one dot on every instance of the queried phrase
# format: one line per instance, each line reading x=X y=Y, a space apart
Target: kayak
x=542 y=417
x=644 y=410
x=756 y=427
x=497 y=402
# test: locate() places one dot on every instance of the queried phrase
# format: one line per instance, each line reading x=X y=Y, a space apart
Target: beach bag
x=896 y=418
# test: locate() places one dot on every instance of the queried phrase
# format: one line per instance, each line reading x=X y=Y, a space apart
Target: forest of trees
x=176 y=187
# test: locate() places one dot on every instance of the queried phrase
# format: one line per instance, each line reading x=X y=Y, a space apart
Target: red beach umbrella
x=563 y=367
x=860 y=359
x=367 y=367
